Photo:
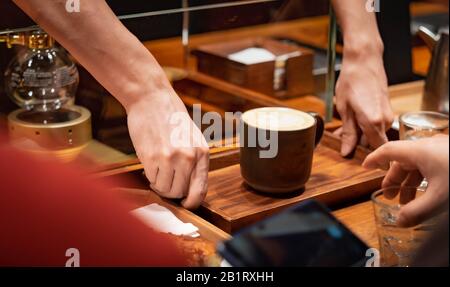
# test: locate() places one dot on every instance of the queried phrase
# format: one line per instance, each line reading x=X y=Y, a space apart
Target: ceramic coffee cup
x=277 y=147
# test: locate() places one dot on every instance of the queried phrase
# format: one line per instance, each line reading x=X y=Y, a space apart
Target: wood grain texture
x=311 y=31
x=213 y=59
x=406 y=97
x=360 y=219
x=220 y=157
x=220 y=96
x=139 y=198
x=231 y=204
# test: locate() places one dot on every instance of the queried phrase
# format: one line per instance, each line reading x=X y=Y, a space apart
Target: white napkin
x=163 y=220
x=252 y=56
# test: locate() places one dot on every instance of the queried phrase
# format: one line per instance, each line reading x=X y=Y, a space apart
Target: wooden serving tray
x=231 y=204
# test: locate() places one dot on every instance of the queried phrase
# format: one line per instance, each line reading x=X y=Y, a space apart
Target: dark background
x=202 y=21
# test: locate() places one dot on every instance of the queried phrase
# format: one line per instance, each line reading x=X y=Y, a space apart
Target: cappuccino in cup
x=277 y=146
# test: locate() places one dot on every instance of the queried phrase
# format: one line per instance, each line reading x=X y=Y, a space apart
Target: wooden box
x=288 y=75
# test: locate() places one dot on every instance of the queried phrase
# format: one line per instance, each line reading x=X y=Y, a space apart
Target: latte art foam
x=279 y=119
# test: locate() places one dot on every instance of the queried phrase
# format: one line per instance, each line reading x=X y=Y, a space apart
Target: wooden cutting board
x=230 y=204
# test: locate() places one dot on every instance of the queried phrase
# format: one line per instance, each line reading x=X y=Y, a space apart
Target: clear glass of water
x=423 y=124
x=398 y=245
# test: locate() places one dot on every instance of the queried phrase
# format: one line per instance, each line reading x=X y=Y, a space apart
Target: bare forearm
x=99 y=41
x=359 y=27
x=361 y=91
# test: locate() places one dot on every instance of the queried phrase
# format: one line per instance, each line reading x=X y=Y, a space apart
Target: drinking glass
x=423 y=124
x=398 y=245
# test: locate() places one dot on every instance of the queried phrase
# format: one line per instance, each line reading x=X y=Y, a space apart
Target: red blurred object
x=47 y=208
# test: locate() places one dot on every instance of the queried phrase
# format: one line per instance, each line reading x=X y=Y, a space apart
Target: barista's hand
x=413 y=160
x=171 y=147
x=362 y=100
x=137 y=81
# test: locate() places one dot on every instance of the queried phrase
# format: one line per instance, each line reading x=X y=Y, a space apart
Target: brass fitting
x=40 y=40
x=13 y=39
x=35 y=40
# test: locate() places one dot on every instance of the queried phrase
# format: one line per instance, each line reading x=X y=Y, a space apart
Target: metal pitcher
x=435 y=96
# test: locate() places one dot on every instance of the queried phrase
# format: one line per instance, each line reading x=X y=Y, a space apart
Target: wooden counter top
x=360 y=219
x=406 y=97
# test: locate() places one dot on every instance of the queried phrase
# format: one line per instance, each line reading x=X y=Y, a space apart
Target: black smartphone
x=304 y=235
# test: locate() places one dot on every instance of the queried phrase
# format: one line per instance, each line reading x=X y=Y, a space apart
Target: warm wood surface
x=99 y=154
x=231 y=205
x=213 y=59
x=312 y=31
x=406 y=97
x=220 y=96
x=219 y=157
x=360 y=219
x=140 y=197
x=418 y=8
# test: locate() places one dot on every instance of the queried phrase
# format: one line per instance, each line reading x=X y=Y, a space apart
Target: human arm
x=116 y=58
x=361 y=91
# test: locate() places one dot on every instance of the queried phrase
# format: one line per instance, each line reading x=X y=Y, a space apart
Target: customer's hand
x=172 y=149
x=362 y=101
x=413 y=160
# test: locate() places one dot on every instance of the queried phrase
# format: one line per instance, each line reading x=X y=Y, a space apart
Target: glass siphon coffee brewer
x=42 y=80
